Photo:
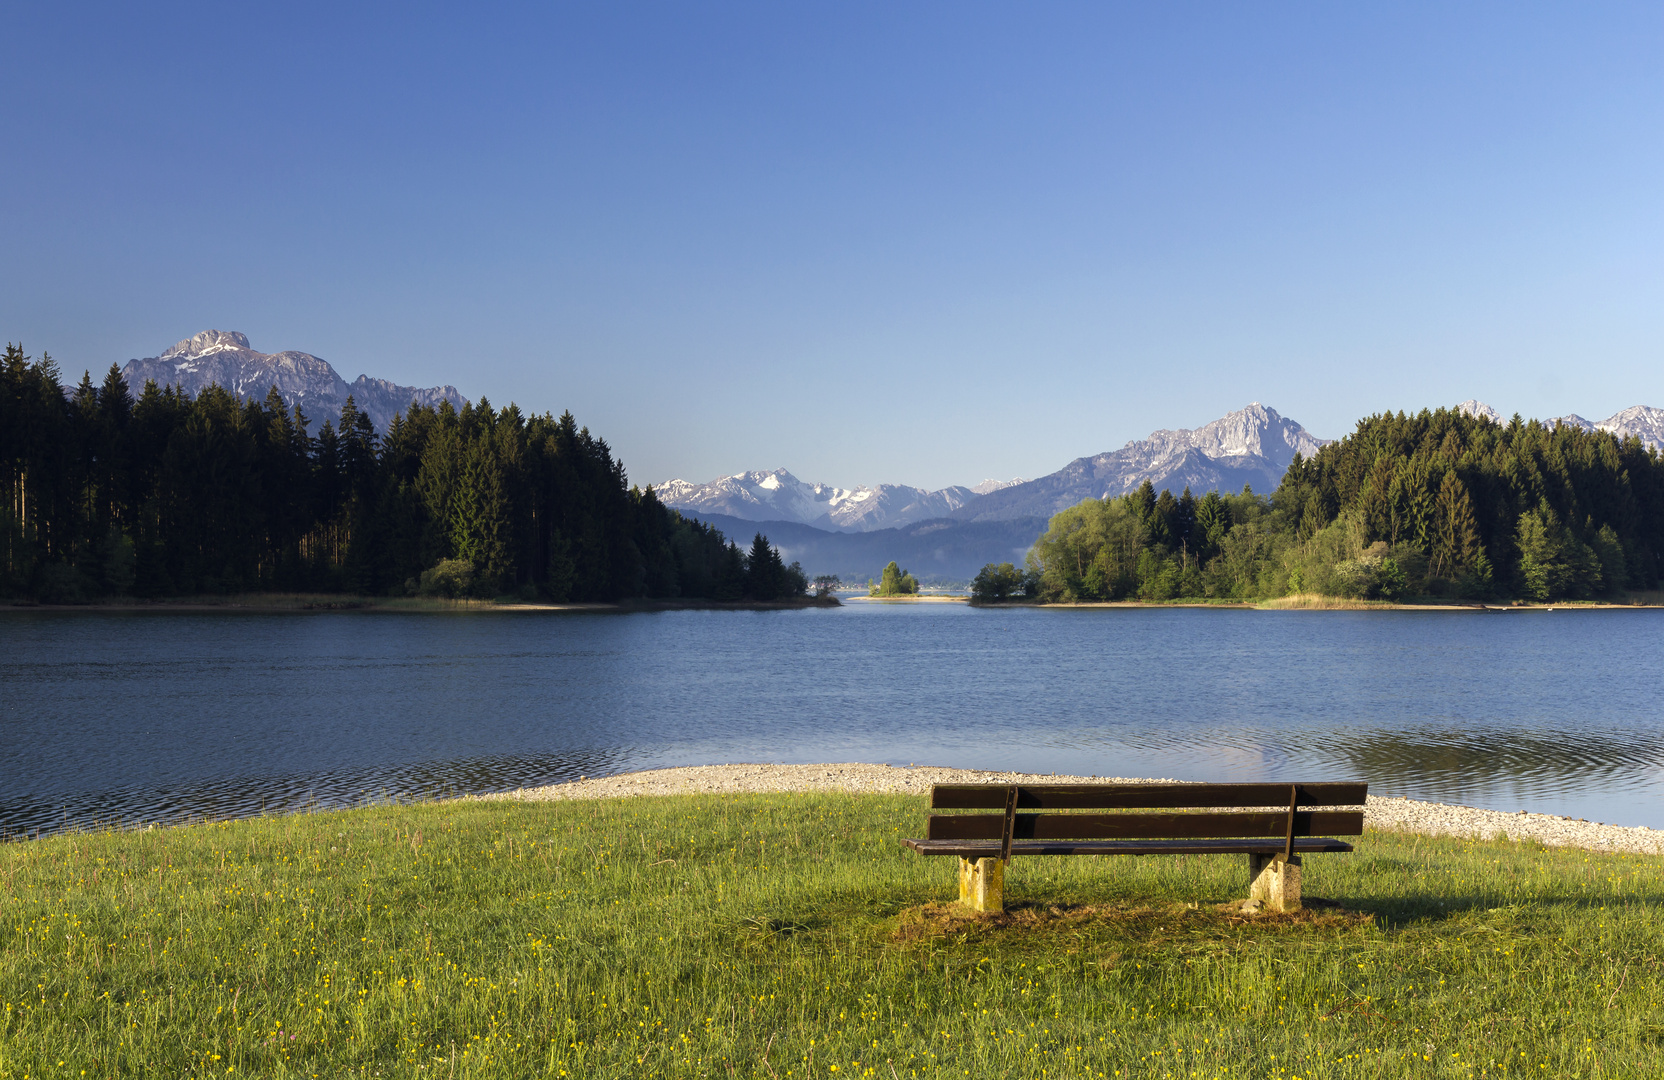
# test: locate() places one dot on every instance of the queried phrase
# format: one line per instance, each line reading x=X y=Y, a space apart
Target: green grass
x=791 y=935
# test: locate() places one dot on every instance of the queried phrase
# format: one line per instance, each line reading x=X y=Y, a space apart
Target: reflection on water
x=140 y=717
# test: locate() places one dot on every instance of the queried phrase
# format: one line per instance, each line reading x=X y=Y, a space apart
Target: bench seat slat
x=1141 y=796
x=1266 y=824
x=987 y=849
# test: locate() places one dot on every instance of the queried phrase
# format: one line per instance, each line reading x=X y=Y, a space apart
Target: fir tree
x=1455 y=529
x=765 y=577
x=480 y=532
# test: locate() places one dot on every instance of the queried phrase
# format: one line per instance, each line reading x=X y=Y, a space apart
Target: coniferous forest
x=1439 y=504
x=159 y=494
x=108 y=494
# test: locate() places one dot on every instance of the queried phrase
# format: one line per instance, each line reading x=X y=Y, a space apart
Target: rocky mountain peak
x=224 y=358
x=1480 y=411
x=209 y=341
x=1252 y=446
x=1255 y=431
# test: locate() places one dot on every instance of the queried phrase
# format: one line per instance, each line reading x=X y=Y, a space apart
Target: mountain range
x=1642 y=421
x=949 y=534
x=933 y=551
x=1251 y=446
x=780 y=496
x=225 y=358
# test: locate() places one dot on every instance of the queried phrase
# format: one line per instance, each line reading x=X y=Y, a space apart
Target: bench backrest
x=1024 y=815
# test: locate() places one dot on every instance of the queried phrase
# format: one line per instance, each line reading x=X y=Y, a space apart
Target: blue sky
x=924 y=243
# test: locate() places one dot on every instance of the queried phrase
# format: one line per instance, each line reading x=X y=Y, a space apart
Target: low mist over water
x=121 y=718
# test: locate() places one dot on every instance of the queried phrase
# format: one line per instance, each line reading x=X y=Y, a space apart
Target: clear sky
x=914 y=243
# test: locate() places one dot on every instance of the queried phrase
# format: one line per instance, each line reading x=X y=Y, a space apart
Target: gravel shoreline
x=1382 y=812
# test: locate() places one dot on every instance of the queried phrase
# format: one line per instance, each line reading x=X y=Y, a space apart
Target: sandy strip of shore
x=1382 y=812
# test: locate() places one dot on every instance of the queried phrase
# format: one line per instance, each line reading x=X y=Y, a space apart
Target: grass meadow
x=777 y=936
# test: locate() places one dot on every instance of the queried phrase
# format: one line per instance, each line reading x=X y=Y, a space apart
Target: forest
x=160 y=494
x=1439 y=505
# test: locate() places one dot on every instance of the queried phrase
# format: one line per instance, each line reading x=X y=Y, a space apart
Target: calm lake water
x=156 y=716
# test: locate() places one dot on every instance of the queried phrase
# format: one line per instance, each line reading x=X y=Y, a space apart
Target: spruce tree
x=1143 y=500
x=1456 y=531
x=764 y=571
x=480 y=532
x=1213 y=521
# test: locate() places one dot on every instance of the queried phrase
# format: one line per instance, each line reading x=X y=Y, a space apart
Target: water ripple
x=123 y=718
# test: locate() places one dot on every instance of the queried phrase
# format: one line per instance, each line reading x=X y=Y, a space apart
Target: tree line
x=164 y=494
x=1437 y=504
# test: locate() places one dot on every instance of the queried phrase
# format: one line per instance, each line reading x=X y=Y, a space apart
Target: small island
x=893 y=582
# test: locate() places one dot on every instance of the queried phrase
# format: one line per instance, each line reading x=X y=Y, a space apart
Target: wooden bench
x=1035 y=820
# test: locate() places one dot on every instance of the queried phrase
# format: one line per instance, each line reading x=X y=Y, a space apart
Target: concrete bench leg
x=982 y=884
x=1275 y=881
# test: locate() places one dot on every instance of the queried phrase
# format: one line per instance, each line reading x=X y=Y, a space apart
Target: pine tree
x=1184 y=524
x=1543 y=570
x=1315 y=518
x=1455 y=530
x=1376 y=500
x=764 y=571
x=1213 y=521
x=1422 y=502
x=480 y=531
x=1143 y=500
x=1163 y=520
x=729 y=583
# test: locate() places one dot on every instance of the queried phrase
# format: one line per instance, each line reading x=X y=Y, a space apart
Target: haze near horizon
x=925 y=246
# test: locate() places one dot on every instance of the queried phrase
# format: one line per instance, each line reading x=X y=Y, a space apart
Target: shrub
x=449 y=579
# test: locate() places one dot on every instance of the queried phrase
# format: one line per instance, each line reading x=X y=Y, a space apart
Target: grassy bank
x=791 y=935
x=1317 y=602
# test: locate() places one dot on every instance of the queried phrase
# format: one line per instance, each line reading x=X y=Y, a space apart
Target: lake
x=127 y=717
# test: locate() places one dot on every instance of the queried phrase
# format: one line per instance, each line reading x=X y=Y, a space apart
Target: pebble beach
x=1381 y=812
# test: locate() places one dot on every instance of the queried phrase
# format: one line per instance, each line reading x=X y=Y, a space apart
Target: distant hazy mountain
x=224 y=357
x=780 y=496
x=1253 y=446
x=988 y=487
x=1642 y=421
x=936 y=550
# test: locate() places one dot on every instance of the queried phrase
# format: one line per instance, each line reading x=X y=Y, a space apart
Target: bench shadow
x=936 y=920
x=1400 y=912
x=1042 y=919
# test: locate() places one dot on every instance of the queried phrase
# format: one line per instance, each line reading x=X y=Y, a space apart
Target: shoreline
x=318 y=603
x=1389 y=813
x=1320 y=604
x=315 y=603
x=932 y=599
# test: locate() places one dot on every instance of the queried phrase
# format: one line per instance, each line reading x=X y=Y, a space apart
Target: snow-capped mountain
x=1642 y=421
x=225 y=358
x=988 y=487
x=780 y=496
x=1252 y=446
x=1480 y=411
